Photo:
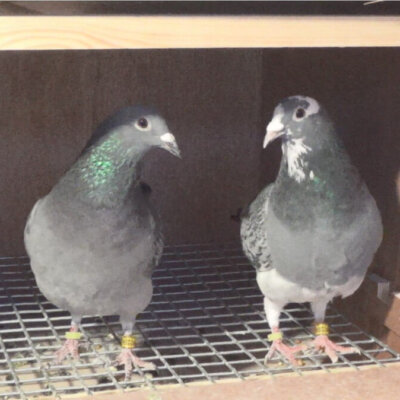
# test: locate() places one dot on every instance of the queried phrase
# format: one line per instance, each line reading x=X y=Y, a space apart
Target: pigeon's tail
x=146 y=189
x=239 y=214
x=243 y=213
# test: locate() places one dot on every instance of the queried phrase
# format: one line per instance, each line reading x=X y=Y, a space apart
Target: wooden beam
x=392 y=320
x=146 y=32
x=342 y=383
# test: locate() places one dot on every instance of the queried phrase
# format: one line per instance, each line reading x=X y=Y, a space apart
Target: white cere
x=276 y=124
x=167 y=137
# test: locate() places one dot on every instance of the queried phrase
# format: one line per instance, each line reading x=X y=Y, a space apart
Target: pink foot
x=70 y=347
x=287 y=351
x=129 y=360
x=324 y=344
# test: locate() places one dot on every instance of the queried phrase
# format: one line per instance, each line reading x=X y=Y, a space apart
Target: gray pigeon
x=94 y=240
x=311 y=234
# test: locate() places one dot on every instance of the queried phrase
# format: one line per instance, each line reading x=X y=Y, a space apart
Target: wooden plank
x=392 y=320
x=365 y=310
x=138 y=32
x=393 y=341
x=344 y=384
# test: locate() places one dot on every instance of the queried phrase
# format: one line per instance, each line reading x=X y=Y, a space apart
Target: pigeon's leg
x=127 y=358
x=70 y=347
x=322 y=342
x=273 y=311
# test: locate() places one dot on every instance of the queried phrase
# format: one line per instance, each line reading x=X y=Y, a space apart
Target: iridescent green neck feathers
x=104 y=173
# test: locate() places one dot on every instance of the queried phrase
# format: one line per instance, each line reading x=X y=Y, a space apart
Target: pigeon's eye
x=142 y=124
x=300 y=113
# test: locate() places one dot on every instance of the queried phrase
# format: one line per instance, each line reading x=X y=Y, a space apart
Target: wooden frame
x=139 y=32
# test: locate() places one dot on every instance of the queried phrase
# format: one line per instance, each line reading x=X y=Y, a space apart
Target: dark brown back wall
x=51 y=101
x=217 y=103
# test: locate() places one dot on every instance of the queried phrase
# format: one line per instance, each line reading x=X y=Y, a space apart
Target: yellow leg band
x=275 y=336
x=322 y=329
x=73 y=335
x=128 y=342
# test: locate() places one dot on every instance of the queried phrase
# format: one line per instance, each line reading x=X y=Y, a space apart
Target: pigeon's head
x=307 y=133
x=296 y=118
x=138 y=128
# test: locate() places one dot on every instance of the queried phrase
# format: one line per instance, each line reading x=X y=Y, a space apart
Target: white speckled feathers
x=253 y=231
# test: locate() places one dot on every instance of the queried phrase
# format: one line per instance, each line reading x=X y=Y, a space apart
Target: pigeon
x=311 y=234
x=94 y=239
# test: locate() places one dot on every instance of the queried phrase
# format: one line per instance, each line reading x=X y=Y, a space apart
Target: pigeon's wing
x=158 y=238
x=158 y=249
x=253 y=232
x=29 y=223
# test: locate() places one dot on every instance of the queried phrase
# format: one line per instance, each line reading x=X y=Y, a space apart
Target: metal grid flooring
x=206 y=322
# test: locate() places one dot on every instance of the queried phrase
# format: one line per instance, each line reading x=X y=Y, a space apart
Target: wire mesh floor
x=206 y=322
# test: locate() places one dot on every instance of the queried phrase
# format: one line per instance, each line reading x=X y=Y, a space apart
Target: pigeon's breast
x=329 y=251
x=281 y=290
x=91 y=261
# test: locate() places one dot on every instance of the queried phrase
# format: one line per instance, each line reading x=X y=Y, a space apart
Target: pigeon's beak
x=168 y=142
x=275 y=129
